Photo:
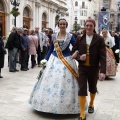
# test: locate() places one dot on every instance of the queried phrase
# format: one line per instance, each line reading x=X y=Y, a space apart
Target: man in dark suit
x=89 y=50
x=13 y=46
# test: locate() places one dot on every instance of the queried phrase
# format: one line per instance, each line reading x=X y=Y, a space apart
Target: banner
x=103 y=20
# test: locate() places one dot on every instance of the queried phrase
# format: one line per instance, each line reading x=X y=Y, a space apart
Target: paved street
x=15 y=89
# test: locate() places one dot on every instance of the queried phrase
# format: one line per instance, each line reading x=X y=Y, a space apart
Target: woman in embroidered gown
x=57 y=89
x=111 y=62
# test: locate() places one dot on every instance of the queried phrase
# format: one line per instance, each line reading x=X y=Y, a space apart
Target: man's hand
x=83 y=57
x=101 y=76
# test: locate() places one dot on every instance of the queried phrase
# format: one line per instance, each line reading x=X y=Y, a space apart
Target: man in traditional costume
x=89 y=50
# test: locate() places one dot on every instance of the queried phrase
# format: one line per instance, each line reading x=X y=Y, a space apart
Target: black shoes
x=91 y=110
x=1 y=76
x=16 y=70
x=80 y=118
x=27 y=68
x=23 y=69
x=12 y=71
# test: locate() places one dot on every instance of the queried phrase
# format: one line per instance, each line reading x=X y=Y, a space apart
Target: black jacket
x=1 y=53
x=97 y=51
x=13 y=41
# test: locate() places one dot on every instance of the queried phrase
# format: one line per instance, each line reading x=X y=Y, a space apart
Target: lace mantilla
x=64 y=43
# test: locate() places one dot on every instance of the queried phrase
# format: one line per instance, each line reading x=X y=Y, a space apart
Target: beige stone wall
x=36 y=9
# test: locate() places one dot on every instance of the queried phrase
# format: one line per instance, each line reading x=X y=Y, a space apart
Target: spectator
x=33 y=40
x=40 y=36
x=2 y=53
x=13 y=45
x=24 y=50
x=46 y=44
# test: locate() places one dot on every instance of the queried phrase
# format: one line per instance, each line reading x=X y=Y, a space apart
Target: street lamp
x=15 y=3
x=75 y=24
x=58 y=11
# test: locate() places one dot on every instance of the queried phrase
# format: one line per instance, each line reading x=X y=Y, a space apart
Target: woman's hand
x=83 y=57
x=101 y=76
x=74 y=55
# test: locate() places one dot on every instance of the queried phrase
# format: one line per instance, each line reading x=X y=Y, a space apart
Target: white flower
x=117 y=51
x=43 y=62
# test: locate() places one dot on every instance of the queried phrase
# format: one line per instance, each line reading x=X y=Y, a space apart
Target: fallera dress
x=57 y=90
x=111 y=66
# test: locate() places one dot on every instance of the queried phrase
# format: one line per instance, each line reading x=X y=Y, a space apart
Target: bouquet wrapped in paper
x=43 y=64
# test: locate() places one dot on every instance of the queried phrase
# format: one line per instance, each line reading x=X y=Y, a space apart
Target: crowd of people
x=63 y=86
x=23 y=44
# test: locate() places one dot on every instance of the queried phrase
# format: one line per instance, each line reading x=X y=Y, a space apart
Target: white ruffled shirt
x=89 y=39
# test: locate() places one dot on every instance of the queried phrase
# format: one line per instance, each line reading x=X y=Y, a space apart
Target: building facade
x=70 y=14
x=40 y=13
x=84 y=9
x=113 y=8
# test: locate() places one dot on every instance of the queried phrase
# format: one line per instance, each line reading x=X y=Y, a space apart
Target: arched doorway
x=44 y=20
x=2 y=19
x=26 y=18
x=56 y=19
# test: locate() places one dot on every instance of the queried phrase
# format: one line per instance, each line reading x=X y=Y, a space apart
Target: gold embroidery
x=87 y=61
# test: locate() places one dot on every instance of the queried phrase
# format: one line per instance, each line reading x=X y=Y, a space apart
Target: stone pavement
x=15 y=89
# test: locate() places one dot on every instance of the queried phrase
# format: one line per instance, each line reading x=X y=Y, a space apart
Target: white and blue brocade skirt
x=57 y=89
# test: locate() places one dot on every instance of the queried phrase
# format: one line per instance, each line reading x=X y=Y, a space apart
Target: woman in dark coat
x=2 y=53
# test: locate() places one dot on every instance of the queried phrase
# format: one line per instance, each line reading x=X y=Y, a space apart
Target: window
x=85 y=13
x=82 y=23
x=26 y=12
x=1 y=7
x=44 y=17
x=83 y=4
x=75 y=13
x=76 y=3
x=82 y=13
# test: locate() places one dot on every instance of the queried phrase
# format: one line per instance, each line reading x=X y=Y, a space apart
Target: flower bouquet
x=43 y=63
x=117 y=51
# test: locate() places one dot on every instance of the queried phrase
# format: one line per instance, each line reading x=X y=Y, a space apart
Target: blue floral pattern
x=57 y=90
